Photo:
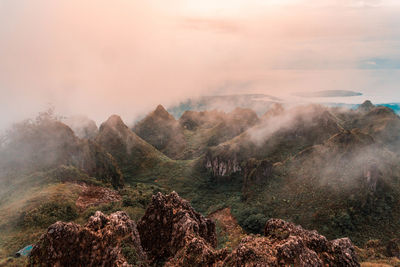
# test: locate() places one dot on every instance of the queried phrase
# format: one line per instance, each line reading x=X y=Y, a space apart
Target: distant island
x=329 y=93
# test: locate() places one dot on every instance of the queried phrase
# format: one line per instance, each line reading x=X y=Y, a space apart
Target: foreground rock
x=300 y=247
x=104 y=241
x=173 y=234
x=170 y=226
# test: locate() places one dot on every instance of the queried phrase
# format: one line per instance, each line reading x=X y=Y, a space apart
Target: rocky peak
x=161 y=112
x=366 y=106
x=114 y=122
x=127 y=148
x=104 y=241
x=173 y=234
x=114 y=131
x=161 y=130
x=185 y=238
x=308 y=248
x=177 y=224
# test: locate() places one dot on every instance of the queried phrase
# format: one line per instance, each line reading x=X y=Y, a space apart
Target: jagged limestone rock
x=104 y=241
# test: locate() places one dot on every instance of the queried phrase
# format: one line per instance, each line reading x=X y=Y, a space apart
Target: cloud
x=126 y=57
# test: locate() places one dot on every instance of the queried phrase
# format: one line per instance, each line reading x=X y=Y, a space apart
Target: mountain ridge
x=325 y=168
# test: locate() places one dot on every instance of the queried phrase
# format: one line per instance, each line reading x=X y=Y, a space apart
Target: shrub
x=129 y=253
x=49 y=213
x=250 y=219
x=255 y=223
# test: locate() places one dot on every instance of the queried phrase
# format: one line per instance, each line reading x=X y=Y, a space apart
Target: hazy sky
x=101 y=57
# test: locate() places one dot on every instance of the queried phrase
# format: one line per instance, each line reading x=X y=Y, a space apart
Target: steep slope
x=346 y=186
x=209 y=128
x=278 y=136
x=82 y=126
x=161 y=130
x=306 y=168
x=46 y=144
x=380 y=122
x=194 y=132
x=298 y=164
x=132 y=153
x=383 y=124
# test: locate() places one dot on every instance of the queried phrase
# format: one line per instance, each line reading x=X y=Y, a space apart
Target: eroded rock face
x=222 y=166
x=170 y=224
x=104 y=241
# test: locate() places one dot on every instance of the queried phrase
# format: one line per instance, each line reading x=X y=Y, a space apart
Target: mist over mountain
x=258 y=102
x=200 y=133
x=331 y=169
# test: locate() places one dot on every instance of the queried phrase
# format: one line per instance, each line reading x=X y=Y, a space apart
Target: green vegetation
x=32 y=202
x=129 y=253
x=30 y=206
x=48 y=213
x=324 y=175
x=222 y=237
